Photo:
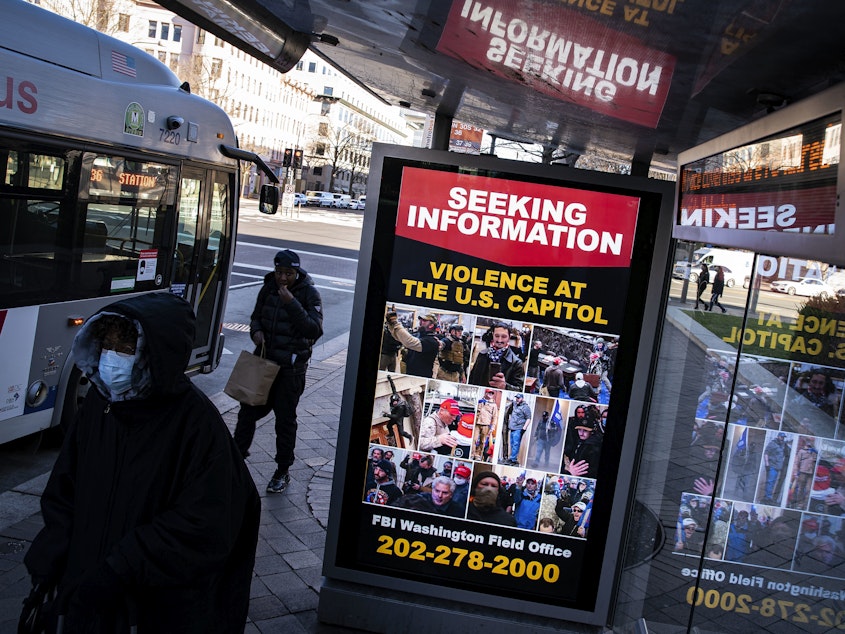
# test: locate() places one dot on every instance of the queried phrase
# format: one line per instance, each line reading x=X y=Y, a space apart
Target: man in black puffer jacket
x=286 y=321
x=150 y=515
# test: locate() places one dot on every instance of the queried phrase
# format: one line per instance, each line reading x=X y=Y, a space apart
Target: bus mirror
x=268 y=203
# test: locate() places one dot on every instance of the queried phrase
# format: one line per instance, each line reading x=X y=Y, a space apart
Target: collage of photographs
x=779 y=500
x=494 y=421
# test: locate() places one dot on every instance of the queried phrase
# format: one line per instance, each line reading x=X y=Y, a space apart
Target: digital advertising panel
x=785 y=182
x=487 y=405
x=771 y=186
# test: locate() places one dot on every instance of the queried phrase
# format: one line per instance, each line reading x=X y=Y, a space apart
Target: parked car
x=299 y=199
x=319 y=199
x=806 y=287
x=358 y=203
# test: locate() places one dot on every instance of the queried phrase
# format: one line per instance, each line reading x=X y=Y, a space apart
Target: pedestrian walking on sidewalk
x=717 y=289
x=286 y=322
x=150 y=515
x=701 y=284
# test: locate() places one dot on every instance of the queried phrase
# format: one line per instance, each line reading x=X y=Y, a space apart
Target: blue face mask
x=116 y=370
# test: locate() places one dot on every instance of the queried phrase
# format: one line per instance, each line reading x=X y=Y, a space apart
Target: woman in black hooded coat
x=150 y=514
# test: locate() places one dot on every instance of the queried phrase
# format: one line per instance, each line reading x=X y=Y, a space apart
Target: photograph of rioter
x=574 y=364
x=397 y=410
x=814 y=400
x=498 y=355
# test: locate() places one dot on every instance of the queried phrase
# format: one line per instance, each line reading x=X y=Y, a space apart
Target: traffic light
x=287 y=157
x=297 y=159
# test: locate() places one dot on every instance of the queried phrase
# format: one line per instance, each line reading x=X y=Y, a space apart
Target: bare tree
x=340 y=148
x=204 y=74
x=101 y=15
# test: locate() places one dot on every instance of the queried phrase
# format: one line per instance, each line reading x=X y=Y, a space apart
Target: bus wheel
x=77 y=388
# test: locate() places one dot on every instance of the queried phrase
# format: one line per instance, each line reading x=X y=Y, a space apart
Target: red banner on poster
x=516 y=223
x=562 y=54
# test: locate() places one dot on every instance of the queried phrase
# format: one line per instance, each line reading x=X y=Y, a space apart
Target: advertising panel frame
x=639 y=331
x=813 y=246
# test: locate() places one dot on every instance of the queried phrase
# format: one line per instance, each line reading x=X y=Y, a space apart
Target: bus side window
x=96 y=233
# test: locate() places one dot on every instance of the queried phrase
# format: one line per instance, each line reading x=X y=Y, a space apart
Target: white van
x=359 y=203
x=342 y=201
x=737 y=265
x=319 y=199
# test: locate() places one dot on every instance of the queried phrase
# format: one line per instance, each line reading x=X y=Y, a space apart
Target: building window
x=320 y=150
x=165 y=30
x=174 y=61
x=123 y=23
x=162 y=57
x=177 y=32
x=216 y=67
x=153 y=29
x=312 y=67
x=328 y=90
x=318 y=171
x=300 y=65
x=200 y=36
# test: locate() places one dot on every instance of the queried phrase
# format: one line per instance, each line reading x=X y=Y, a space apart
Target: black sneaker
x=278 y=483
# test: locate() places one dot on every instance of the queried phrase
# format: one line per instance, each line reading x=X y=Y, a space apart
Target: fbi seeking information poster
x=498 y=328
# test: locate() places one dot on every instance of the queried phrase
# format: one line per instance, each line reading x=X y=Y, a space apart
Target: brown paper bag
x=251 y=378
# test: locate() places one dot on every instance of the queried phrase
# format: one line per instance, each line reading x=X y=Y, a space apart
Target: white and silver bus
x=115 y=181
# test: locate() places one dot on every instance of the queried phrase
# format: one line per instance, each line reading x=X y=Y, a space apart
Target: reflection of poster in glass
x=755 y=484
x=563 y=54
x=495 y=377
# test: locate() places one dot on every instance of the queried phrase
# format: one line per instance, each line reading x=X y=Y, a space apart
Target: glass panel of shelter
x=744 y=452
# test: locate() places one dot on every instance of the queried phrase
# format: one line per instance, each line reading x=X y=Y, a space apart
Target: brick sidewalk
x=288 y=564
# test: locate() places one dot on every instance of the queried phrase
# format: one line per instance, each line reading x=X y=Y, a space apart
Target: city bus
x=116 y=181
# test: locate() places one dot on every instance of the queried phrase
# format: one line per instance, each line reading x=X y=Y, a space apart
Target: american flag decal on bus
x=123 y=64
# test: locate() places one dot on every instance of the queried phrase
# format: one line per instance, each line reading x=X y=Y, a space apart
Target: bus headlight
x=37 y=394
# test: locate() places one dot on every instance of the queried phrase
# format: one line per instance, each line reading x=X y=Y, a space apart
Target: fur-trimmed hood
x=166 y=327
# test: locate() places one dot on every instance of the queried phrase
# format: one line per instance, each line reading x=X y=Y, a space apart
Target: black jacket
x=154 y=488
x=288 y=328
x=511 y=367
x=589 y=450
x=421 y=363
x=495 y=515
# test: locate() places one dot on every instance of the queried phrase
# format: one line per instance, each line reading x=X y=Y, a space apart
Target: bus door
x=201 y=261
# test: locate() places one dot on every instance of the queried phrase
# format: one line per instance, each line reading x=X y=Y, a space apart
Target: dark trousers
x=284 y=397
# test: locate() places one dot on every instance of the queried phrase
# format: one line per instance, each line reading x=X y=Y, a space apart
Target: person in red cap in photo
x=461 y=476
x=828 y=494
x=553 y=378
x=434 y=428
